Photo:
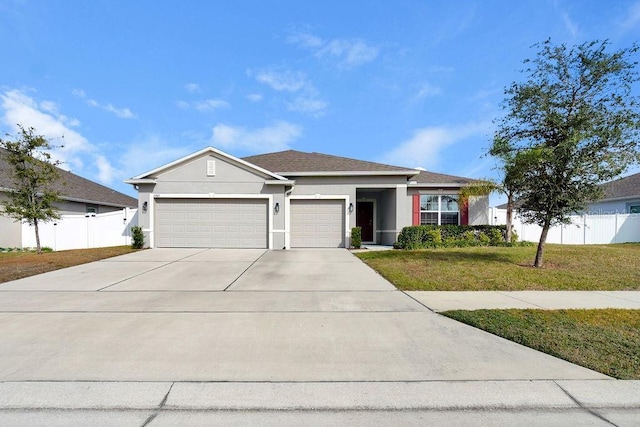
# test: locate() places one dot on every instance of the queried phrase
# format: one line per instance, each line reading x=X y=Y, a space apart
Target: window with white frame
x=440 y=209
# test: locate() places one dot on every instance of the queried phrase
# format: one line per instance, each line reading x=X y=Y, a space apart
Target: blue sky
x=135 y=84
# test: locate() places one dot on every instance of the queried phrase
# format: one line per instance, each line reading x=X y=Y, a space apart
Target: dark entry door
x=364 y=220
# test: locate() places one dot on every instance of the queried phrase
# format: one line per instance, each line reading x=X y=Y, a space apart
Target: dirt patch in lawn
x=16 y=265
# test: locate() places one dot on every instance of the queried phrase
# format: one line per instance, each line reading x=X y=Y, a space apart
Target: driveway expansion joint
x=245 y=270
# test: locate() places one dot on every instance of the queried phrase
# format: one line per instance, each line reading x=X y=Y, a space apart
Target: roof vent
x=211 y=168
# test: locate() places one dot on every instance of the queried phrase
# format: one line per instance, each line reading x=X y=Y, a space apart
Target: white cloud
x=305 y=40
x=106 y=172
x=123 y=113
x=276 y=137
x=427 y=91
x=308 y=105
x=632 y=18
x=281 y=79
x=204 y=105
x=210 y=104
x=307 y=99
x=347 y=52
x=254 y=97
x=350 y=53
x=570 y=25
x=150 y=152
x=192 y=87
x=19 y=108
x=424 y=148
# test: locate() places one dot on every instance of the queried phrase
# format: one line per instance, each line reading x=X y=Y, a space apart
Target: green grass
x=590 y=267
x=606 y=341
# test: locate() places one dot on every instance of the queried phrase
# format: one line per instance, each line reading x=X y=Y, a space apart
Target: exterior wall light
x=276 y=208
x=350 y=207
x=144 y=207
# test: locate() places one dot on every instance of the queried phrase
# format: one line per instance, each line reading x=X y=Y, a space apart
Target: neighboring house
x=621 y=196
x=79 y=196
x=292 y=199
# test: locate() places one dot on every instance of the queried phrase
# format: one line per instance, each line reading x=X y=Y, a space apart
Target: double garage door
x=211 y=223
x=242 y=223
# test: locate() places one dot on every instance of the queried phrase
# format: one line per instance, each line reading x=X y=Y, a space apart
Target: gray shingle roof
x=426 y=177
x=624 y=187
x=298 y=161
x=74 y=187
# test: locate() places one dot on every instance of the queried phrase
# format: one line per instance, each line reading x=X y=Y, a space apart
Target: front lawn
x=16 y=265
x=606 y=341
x=590 y=267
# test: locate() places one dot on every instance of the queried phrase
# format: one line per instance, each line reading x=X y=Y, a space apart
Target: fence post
x=584 y=229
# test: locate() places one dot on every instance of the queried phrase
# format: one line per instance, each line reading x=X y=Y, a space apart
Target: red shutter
x=464 y=213
x=416 y=210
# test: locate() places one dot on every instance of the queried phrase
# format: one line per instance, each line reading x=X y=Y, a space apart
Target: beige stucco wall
x=10 y=230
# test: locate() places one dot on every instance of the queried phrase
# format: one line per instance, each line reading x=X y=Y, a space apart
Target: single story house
x=292 y=199
x=79 y=196
x=621 y=196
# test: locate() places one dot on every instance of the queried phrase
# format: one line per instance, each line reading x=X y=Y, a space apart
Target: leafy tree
x=32 y=196
x=572 y=125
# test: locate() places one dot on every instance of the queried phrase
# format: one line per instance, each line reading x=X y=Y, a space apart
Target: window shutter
x=416 y=210
x=464 y=213
x=211 y=168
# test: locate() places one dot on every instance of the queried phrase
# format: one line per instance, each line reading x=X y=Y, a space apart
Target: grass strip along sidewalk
x=16 y=265
x=590 y=267
x=607 y=341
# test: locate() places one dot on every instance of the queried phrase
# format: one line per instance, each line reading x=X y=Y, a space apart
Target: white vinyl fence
x=84 y=231
x=584 y=229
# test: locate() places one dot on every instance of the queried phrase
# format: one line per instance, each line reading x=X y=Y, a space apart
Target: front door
x=364 y=220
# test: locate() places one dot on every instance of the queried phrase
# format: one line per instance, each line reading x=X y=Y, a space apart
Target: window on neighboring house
x=634 y=209
x=92 y=209
x=439 y=209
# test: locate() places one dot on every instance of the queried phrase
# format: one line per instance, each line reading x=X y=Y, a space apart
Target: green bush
x=356 y=237
x=433 y=236
x=137 y=236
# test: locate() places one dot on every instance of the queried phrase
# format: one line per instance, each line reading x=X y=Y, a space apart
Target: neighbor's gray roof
x=73 y=187
x=619 y=189
x=622 y=188
x=298 y=161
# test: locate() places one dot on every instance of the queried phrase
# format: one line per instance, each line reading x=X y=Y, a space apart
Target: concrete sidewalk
x=547 y=300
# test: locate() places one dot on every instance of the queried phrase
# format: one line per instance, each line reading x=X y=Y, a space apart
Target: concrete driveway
x=243 y=315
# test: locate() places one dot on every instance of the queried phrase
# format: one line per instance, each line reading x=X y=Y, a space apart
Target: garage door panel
x=317 y=223
x=217 y=223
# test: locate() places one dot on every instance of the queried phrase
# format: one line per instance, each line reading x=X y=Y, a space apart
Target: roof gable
x=73 y=187
x=205 y=151
x=292 y=162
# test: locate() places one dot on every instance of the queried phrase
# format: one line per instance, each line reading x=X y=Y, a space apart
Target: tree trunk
x=35 y=226
x=507 y=237
x=543 y=238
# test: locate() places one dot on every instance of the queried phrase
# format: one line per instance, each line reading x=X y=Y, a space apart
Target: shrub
x=484 y=239
x=496 y=238
x=432 y=236
x=137 y=237
x=356 y=237
x=46 y=249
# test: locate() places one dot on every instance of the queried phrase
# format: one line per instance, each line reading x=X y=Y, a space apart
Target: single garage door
x=317 y=223
x=211 y=223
